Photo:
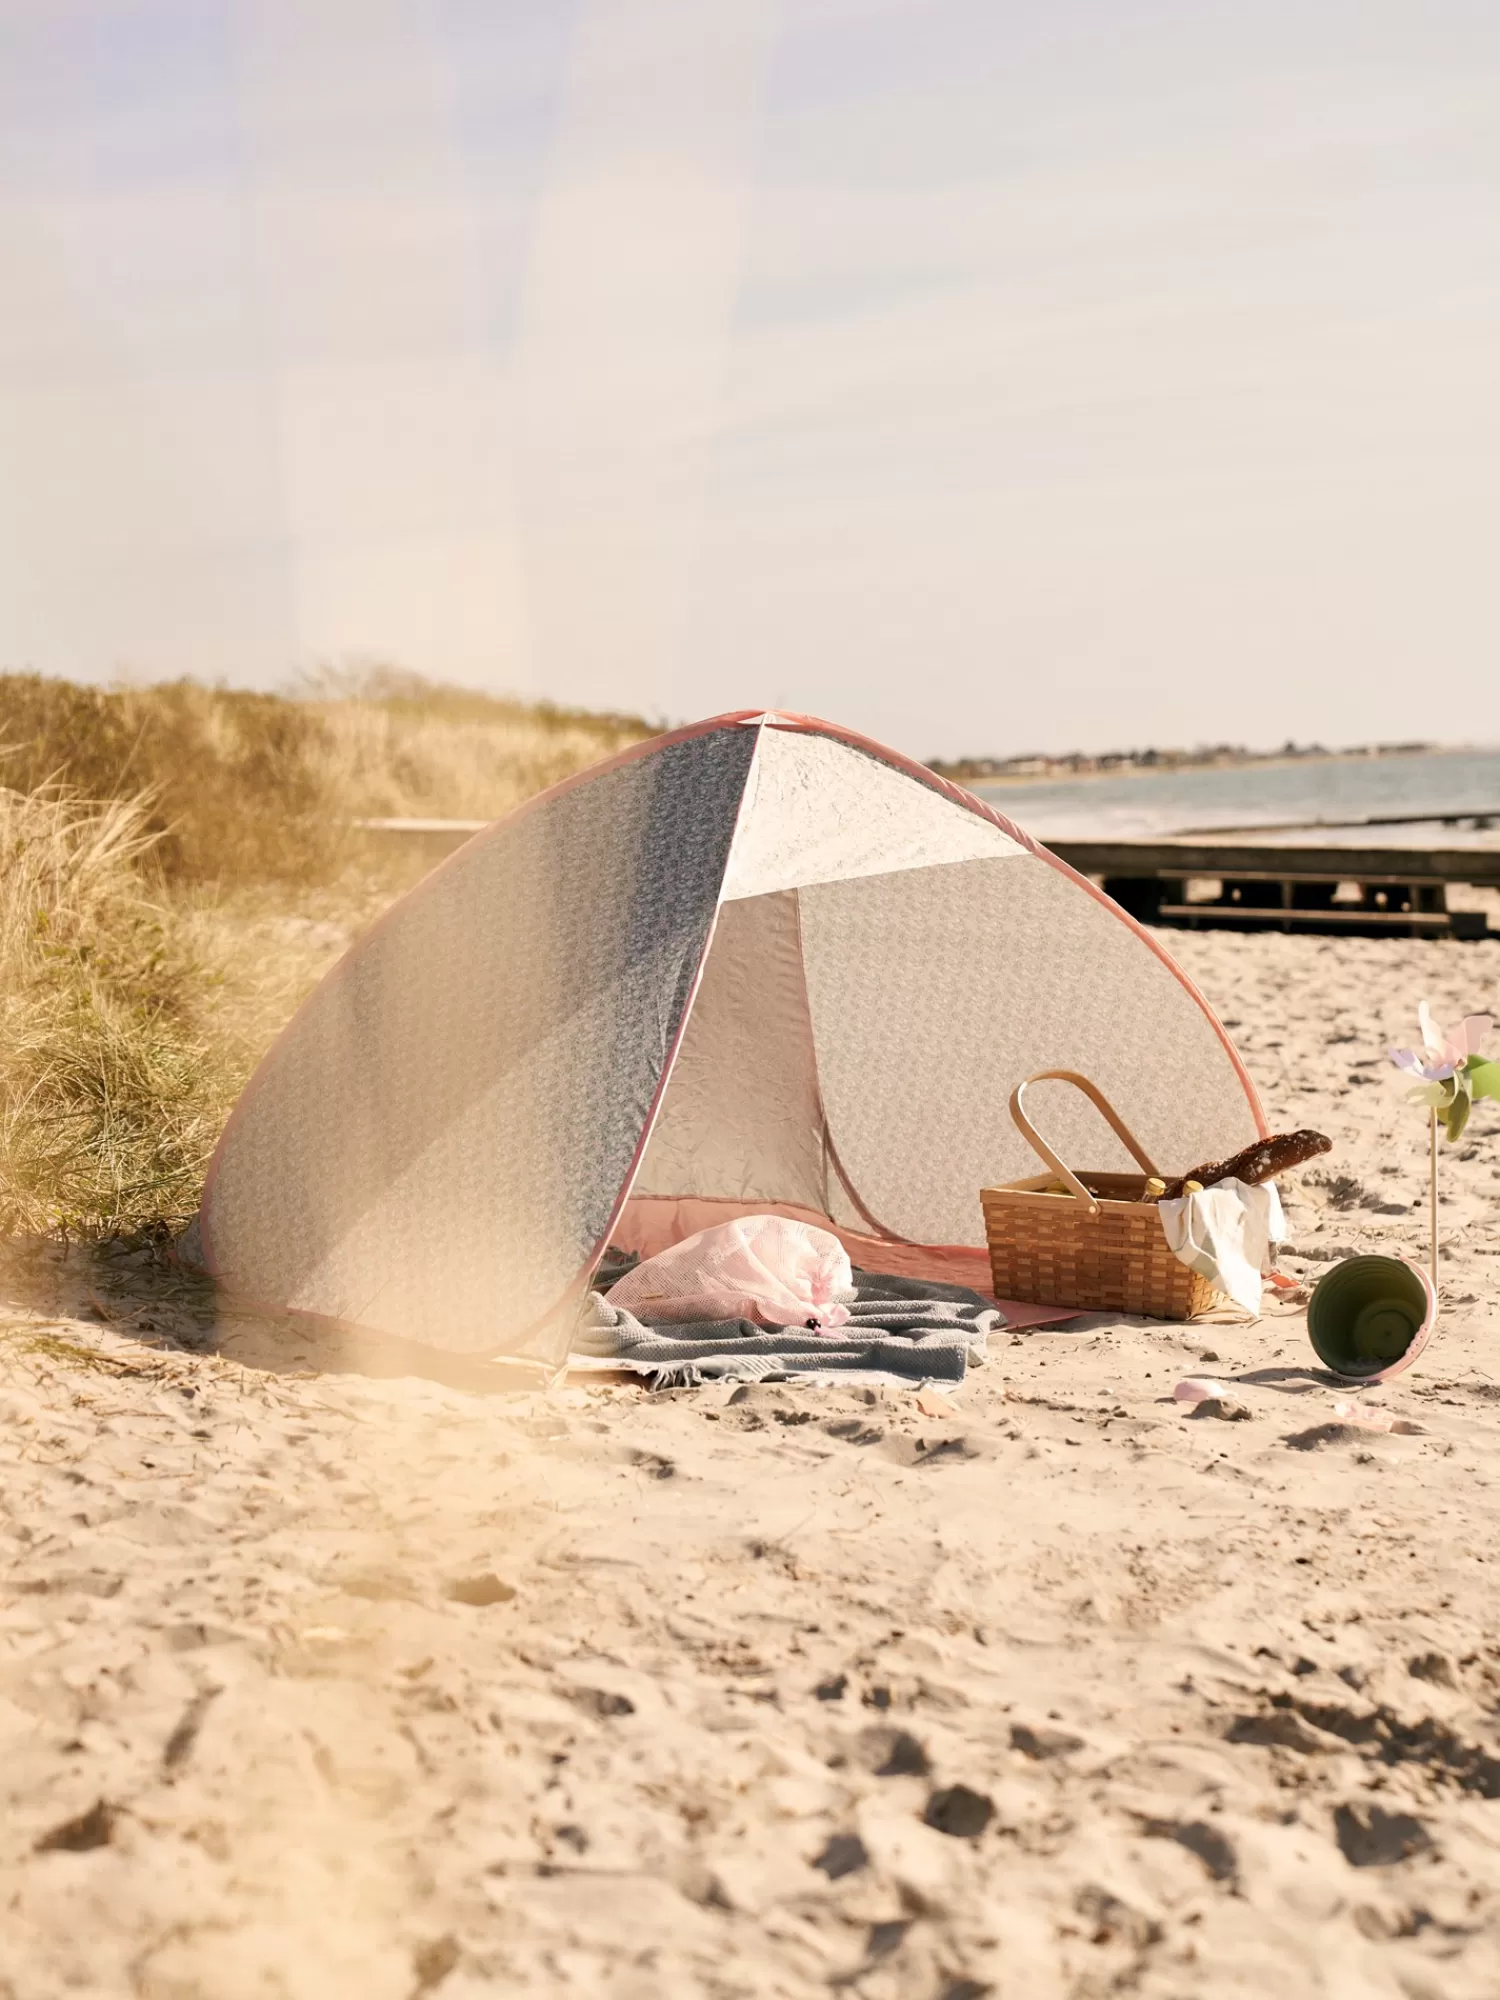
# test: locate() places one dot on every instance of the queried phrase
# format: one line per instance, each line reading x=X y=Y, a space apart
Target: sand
x=324 y=1678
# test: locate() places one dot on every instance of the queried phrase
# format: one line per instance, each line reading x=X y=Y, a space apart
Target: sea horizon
x=1144 y=801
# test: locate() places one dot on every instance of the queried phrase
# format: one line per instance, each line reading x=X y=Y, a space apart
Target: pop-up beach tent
x=756 y=965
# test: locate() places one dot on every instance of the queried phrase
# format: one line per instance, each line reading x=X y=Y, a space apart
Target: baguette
x=1253 y=1164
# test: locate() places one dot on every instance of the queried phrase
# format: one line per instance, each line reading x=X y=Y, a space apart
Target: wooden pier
x=1215 y=881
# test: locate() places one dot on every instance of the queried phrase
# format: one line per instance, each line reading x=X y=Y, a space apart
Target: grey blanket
x=901 y=1327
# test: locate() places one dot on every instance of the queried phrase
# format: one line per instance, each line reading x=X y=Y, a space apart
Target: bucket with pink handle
x=1370 y=1317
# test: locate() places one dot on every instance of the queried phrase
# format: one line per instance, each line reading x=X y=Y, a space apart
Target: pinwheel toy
x=1451 y=1073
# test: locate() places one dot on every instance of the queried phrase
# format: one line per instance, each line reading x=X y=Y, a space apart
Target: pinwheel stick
x=1434 y=1123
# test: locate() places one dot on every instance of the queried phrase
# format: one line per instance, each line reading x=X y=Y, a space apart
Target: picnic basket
x=1058 y=1239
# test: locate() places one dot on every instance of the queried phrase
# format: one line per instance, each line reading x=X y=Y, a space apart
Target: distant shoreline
x=1062 y=770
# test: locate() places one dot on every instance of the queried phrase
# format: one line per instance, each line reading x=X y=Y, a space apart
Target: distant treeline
x=1079 y=763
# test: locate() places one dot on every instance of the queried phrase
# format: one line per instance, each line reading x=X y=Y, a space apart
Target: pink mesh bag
x=760 y=1267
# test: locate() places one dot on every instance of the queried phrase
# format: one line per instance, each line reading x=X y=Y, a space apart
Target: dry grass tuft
x=108 y=1101
x=20 y=1337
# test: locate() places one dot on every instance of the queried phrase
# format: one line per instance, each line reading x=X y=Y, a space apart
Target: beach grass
x=242 y=787
x=178 y=870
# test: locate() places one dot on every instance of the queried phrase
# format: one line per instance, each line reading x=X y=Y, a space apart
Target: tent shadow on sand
x=165 y=1309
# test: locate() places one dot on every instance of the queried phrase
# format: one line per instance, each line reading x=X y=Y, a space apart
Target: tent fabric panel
x=740 y=1116
x=818 y=810
x=436 y=1145
x=928 y=780
x=933 y=994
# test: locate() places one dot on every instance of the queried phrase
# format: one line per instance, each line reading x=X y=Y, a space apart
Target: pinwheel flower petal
x=1434 y=1070
x=1435 y=1094
x=1432 y=1034
x=1471 y=1031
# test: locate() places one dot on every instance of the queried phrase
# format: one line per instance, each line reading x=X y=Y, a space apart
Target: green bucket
x=1370 y=1317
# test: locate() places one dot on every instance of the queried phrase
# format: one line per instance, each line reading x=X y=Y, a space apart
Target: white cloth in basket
x=1227 y=1233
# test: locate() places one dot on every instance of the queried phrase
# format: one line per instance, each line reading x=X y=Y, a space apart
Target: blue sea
x=1307 y=791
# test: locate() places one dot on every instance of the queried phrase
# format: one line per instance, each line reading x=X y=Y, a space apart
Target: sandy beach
x=341 y=1676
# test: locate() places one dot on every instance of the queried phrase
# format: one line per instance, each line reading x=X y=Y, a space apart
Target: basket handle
x=1101 y=1103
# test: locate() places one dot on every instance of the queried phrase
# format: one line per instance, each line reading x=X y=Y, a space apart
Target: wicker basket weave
x=1055 y=1241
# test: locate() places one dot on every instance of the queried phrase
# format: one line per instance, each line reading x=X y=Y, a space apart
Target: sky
x=986 y=376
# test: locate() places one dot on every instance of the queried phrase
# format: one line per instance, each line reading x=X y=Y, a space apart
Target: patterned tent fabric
x=759 y=962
